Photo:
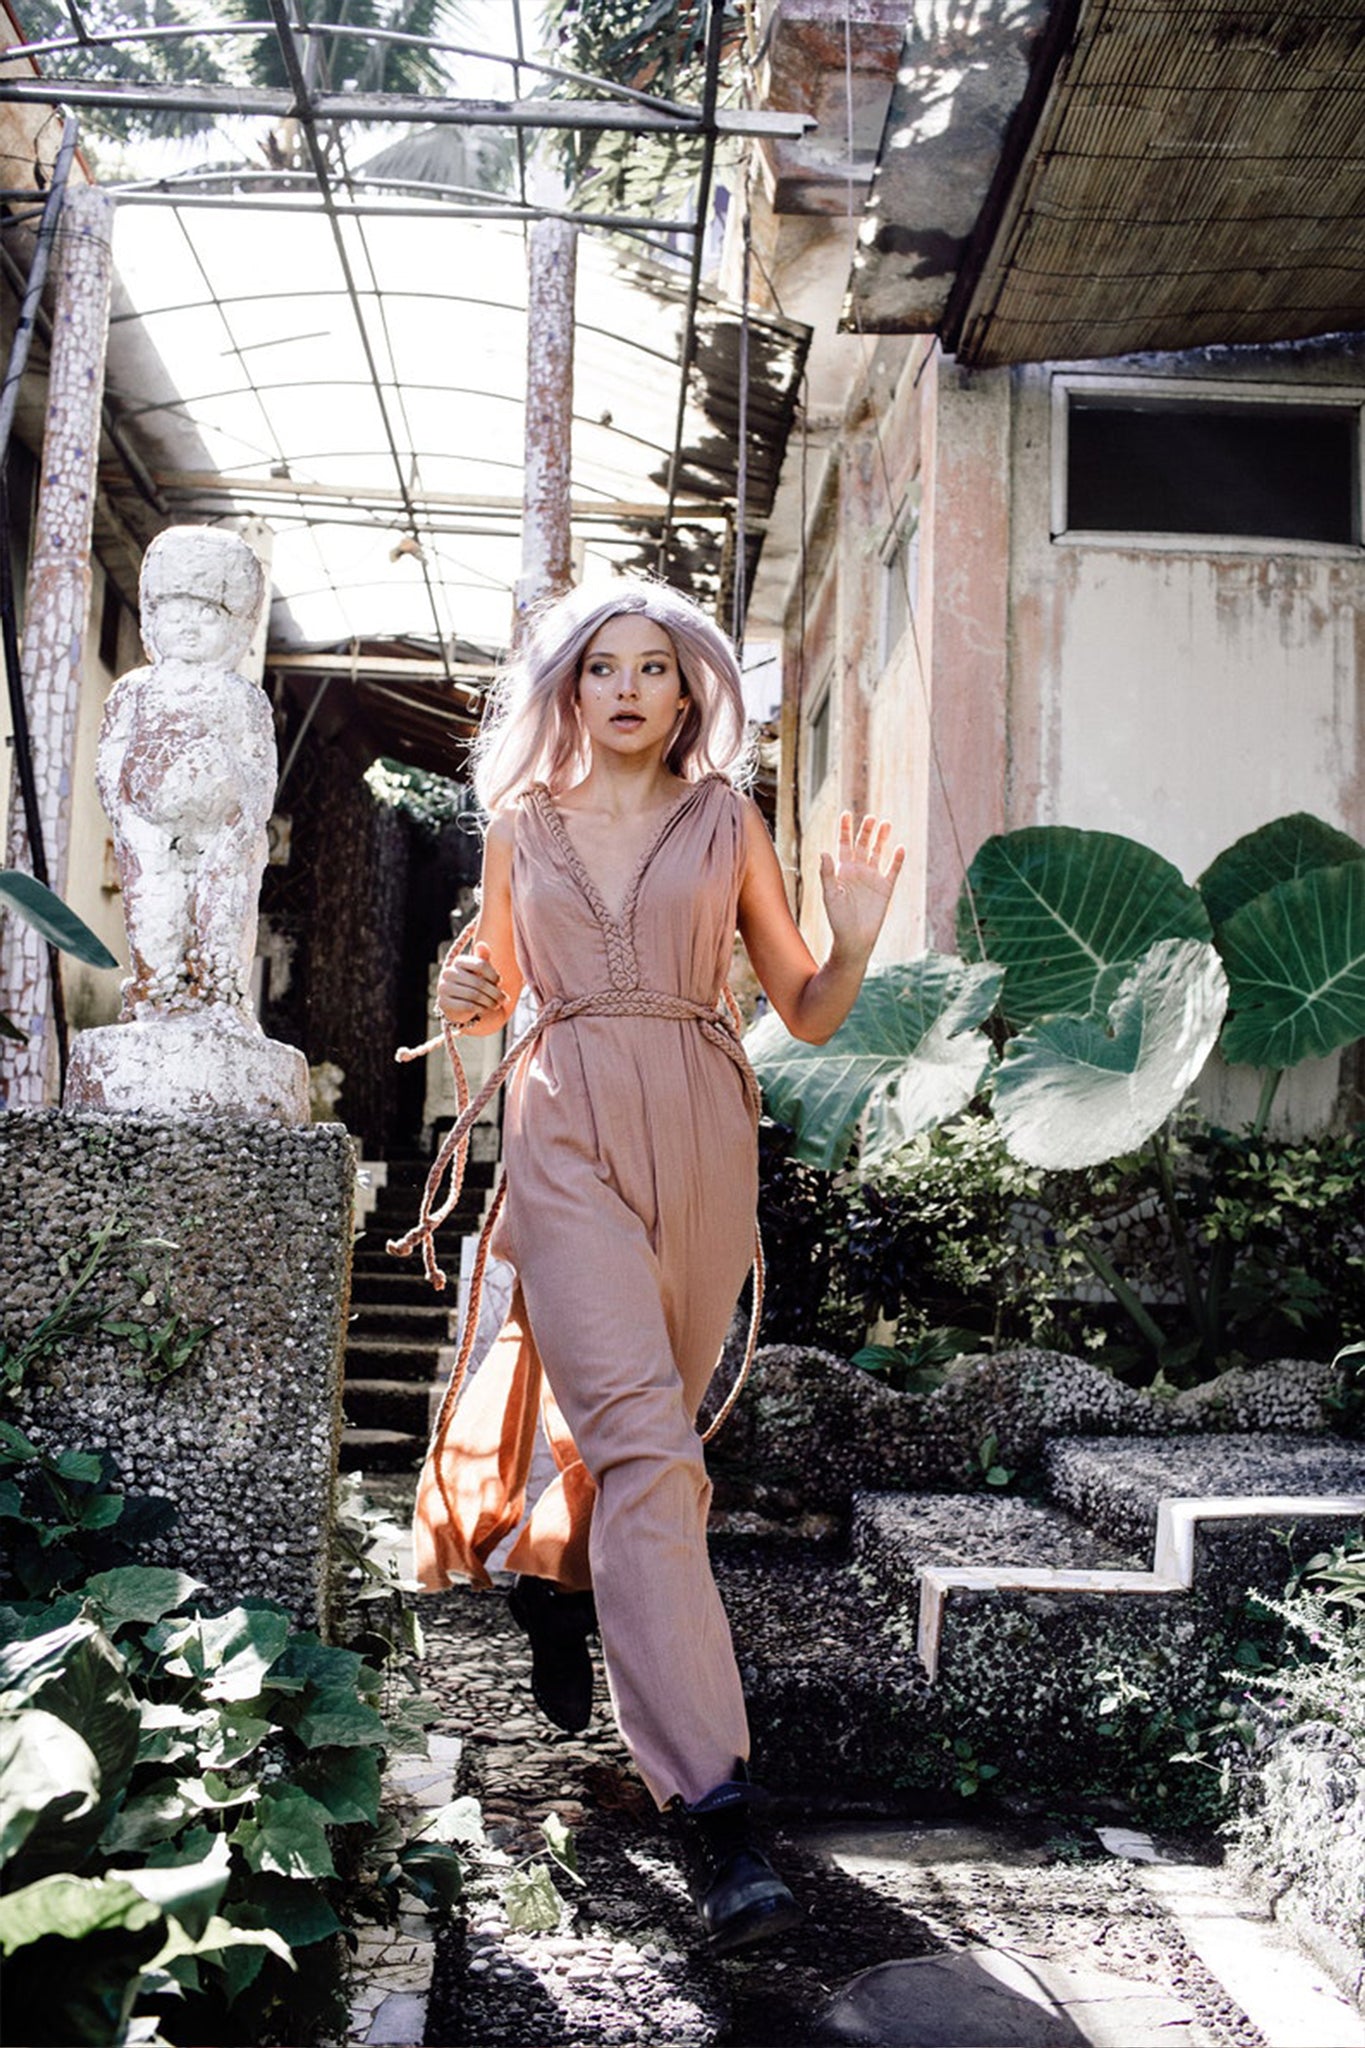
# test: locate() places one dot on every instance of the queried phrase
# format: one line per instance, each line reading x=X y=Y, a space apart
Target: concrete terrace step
x=401 y=1406
x=398 y=1358
x=379 y=1450
x=1117 y=1483
x=400 y=1283
x=429 y=1321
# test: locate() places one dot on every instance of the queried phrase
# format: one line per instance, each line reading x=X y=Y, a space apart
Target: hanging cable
x=739 y=592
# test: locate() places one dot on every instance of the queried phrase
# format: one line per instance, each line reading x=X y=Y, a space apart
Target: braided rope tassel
x=455 y=1384
x=727 y=1406
x=454 y=1146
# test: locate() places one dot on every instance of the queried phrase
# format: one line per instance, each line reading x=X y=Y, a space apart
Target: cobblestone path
x=623 y=1965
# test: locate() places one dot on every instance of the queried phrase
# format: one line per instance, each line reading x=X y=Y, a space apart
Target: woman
x=619 y=860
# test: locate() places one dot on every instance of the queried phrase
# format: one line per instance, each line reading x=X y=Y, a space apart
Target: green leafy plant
x=1108 y=981
x=65 y=1514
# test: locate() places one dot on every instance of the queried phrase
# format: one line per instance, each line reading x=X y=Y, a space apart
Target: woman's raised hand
x=857 y=882
x=470 y=987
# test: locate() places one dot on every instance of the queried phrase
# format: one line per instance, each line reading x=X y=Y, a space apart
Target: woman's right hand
x=470 y=988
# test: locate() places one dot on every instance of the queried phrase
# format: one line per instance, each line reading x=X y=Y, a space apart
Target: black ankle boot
x=739 y=1895
x=558 y=1625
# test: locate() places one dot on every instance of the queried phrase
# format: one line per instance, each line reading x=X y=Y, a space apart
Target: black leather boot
x=740 y=1897
x=558 y=1625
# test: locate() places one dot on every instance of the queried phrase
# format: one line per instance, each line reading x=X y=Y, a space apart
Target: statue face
x=193 y=629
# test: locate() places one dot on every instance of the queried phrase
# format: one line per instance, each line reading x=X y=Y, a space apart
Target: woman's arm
x=811 y=1000
x=479 y=989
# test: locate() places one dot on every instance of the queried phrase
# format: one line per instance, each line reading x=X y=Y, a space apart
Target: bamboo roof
x=1174 y=174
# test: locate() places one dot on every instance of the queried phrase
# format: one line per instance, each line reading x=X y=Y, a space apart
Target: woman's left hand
x=857 y=882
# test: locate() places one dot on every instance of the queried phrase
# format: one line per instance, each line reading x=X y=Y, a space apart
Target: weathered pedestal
x=210 y=1062
x=243 y=1438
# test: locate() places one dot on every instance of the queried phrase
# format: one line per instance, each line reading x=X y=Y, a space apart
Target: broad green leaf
x=345 y=1781
x=48 y=915
x=139 y=1592
x=187 y=1892
x=168 y=1733
x=293 y=1906
x=908 y=1056
x=530 y=1901
x=78 y=1675
x=229 y=1735
x=47 y=1772
x=287 y=1834
x=1295 y=958
x=72 y=1907
x=82 y=1466
x=1074 y=1091
x=1279 y=852
x=338 y=1719
x=460 y=1821
x=156 y=1815
x=232 y=1651
x=1068 y=914
x=433 y=1871
x=217 y=1936
x=560 y=1842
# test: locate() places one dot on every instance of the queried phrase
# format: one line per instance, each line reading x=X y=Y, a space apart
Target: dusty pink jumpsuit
x=631 y=1188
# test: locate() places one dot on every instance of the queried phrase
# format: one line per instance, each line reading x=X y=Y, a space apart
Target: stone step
x=390 y=1404
x=380 y=1450
x=835 y=1695
x=401 y=1282
x=1116 y=1483
x=432 y=1320
x=1214 y=1510
x=397 y=1358
x=985 y=1624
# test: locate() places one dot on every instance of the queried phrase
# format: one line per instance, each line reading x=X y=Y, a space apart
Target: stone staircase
x=400 y=1344
x=989 y=1624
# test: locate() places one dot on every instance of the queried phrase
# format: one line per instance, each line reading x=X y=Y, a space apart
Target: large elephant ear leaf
x=908 y=1055
x=1281 y=851
x=50 y=917
x=1075 y=1091
x=1295 y=957
x=1068 y=914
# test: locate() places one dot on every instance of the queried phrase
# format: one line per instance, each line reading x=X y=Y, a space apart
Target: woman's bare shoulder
x=501 y=830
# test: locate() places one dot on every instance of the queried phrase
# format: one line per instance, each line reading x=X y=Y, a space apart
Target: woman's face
x=630 y=689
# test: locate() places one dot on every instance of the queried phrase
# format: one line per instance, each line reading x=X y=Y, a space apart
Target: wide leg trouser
x=629 y=1357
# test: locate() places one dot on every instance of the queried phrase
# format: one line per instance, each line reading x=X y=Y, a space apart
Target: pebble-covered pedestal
x=246 y=1226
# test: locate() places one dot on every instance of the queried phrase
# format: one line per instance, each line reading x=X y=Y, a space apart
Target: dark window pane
x=1283 y=472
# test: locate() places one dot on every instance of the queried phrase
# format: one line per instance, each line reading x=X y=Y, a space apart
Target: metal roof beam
x=413 y=109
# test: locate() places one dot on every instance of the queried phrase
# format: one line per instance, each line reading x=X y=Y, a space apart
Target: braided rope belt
x=721 y=1028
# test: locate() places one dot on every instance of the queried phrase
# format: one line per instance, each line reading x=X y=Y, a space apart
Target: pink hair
x=532 y=732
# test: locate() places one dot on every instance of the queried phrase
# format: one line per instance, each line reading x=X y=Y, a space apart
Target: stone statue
x=186 y=773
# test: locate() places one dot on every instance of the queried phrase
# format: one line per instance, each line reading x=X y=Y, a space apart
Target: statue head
x=201 y=592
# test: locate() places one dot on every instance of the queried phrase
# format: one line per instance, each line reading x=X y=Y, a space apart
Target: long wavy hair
x=533 y=733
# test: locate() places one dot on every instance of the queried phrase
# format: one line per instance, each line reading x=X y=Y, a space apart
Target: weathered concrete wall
x=1182 y=694
x=244 y=1438
x=355 y=947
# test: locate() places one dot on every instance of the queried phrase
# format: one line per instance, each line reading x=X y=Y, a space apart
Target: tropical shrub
x=188 y=1796
x=1093 y=987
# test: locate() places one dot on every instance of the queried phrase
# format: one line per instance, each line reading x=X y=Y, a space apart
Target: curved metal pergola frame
x=352 y=197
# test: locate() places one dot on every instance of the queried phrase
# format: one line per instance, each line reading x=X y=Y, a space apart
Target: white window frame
x=902 y=534
x=1158 y=390
x=820 y=705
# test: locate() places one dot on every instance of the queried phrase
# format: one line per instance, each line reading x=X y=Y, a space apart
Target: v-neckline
x=617 y=919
